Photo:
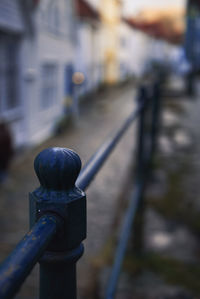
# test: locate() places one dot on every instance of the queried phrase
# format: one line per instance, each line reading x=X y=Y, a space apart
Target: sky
x=132 y=7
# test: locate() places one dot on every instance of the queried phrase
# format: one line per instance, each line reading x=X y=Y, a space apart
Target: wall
x=110 y=17
x=89 y=55
x=52 y=44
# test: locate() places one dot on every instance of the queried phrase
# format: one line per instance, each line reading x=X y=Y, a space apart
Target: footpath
x=99 y=116
x=169 y=265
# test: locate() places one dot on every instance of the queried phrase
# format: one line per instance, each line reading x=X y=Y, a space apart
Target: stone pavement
x=99 y=116
x=169 y=267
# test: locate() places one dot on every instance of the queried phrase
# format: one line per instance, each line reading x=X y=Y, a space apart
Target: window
x=9 y=73
x=54 y=17
x=123 y=42
x=49 y=85
x=70 y=26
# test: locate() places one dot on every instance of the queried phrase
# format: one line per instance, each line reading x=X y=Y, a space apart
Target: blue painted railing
x=58 y=209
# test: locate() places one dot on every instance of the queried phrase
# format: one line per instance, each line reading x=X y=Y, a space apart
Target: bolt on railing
x=58 y=211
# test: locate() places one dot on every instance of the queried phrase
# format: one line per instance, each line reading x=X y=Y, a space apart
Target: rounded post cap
x=57 y=168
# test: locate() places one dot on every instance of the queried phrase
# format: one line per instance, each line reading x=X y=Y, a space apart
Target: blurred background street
x=70 y=72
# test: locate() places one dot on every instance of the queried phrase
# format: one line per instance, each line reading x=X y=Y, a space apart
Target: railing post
x=57 y=170
x=140 y=169
x=190 y=78
x=141 y=133
x=155 y=122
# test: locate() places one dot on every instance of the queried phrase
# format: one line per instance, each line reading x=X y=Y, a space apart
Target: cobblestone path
x=169 y=265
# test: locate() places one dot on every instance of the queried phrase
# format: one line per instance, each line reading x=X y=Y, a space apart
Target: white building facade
x=12 y=32
x=37 y=51
x=89 y=55
x=134 y=51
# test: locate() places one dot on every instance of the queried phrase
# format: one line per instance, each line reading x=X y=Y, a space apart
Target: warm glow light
x=78 y=78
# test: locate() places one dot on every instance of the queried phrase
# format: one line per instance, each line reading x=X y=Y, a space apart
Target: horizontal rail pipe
x=123 y=240
x=21 y=261
x=92 y=167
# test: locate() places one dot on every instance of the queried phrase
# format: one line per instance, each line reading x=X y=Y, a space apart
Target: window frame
x=49 y=85
x=10 y=64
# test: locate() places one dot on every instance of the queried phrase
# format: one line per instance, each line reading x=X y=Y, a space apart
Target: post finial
x=57 y=168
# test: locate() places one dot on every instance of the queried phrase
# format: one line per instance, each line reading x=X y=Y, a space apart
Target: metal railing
x=58 y=209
